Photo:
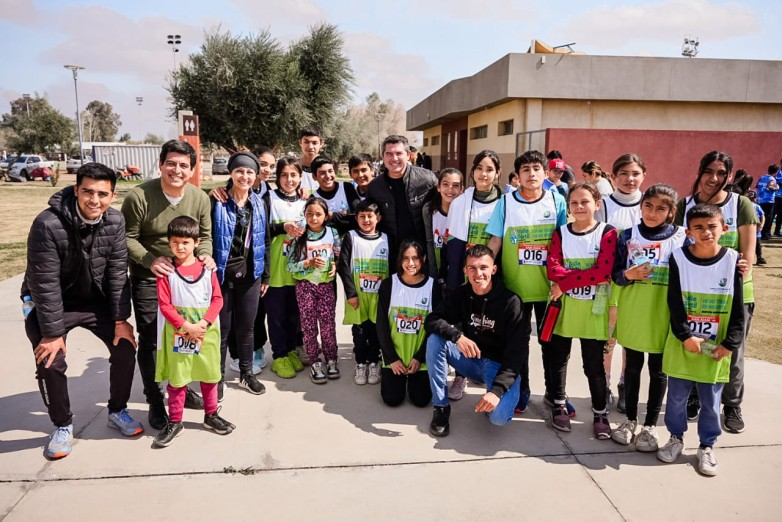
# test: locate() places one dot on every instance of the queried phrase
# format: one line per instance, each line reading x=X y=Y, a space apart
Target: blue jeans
x=676 y=409
x=440 y=353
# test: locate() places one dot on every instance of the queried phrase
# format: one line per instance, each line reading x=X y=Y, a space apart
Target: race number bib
x=704 y=327
x=408 y=325
x=286 y=247
x=186 y=346
x=584 y=293
x=369 y=284
x=652 y=252
x=322 y=250
x=536 y=255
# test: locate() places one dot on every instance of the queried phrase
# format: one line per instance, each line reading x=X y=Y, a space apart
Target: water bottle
x=600 y=302
x=343 y=208
x=27 y=305
x=708 y=347
x=636 y=253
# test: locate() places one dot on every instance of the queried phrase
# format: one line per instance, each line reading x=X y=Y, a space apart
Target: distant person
x=513 y=182
x=77 y=275
x=593 y=173
x=554 y=177
x=767 y=189
x=568 y=174
x=759 y=259
x=777 y=214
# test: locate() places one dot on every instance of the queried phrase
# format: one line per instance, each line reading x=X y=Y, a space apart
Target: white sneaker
x=671 y=451
x=646 y=441
x=456 y=391
x=625 y=433
x=360 y=377
x=374 y=373
x=707 y=462
x=259 y=359
x=234 y=365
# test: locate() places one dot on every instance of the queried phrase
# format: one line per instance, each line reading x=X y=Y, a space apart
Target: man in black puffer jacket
x=77 y=275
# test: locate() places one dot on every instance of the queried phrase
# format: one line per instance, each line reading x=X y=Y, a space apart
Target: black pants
x=777 y=215
x=526 y=323
x=592 y=357
x=658 y=382
x=145 y=306
x=768 y=210
x=284 y=323
x=53 y=382
x=392 y=387
x=366 y=347
x=260 y=336
x=758 y=249
x=240 y=307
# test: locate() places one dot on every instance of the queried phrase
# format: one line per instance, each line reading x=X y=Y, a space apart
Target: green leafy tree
x=100 y=122
x=124 y=138
x=250 y=91
x=43 y=129
x=153 y=139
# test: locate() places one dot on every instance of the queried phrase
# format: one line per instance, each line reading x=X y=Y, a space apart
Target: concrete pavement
x=303 y=452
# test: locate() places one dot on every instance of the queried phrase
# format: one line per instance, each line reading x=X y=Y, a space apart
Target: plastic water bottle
x=636 y=253
x=708 y=347
x=27 y=305
x=600 y=303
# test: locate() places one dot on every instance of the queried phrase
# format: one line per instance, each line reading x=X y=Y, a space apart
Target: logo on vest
x=729 y=221
x=547 y=214
x=723 y=281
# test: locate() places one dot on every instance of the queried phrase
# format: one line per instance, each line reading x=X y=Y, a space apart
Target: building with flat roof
x=671 y=111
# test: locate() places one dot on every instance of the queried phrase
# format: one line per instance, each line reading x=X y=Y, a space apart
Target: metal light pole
x=174 y=40
x=75 y=70
x=27 y=103
x=140 y=100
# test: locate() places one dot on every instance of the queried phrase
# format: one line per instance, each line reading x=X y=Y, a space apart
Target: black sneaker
x=733 y=421
x=218 y=424
x=251 y=384
x=693 y=407
x=193 y=401
x=762 y=261
x=158 y=418
x=439 y=426
x=220 y=391
x=621 y=405
x=168 y=434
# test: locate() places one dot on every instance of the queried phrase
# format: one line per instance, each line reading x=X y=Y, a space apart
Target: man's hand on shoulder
x=488 y=402
x=48 y=349
x=162 y=267
x=468 y=347
x=208 y=262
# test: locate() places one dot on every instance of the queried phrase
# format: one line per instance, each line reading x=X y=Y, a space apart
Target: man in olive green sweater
x=148 y=209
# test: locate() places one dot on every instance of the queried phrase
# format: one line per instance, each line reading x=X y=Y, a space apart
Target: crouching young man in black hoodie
x=476 y=330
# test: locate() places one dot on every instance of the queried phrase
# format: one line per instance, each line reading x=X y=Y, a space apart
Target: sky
x=403 y=50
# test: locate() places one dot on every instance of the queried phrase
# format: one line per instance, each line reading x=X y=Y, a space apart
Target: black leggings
x=658 y=382
x=240 y=307
x=592 y=357
x=392 y=387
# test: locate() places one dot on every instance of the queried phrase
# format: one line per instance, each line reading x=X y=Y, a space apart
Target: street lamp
x=75 y=70
x=174 y=40
x=140 y=100
x=27 y=103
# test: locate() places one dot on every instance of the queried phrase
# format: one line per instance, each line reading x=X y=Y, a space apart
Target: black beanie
x=243 y=159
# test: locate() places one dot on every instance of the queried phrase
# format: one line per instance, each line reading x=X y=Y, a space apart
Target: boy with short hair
x=310 y=142
x=362 y=172
x=189 y=339
x=707 y=323
x=553 y=181
x=340 y=196
x=522 y=224
x=363 y=264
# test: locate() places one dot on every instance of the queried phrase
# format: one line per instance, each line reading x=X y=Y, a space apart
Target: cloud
x=668 y=20
x=473 y=10
x=17 y=10
x=289 y=12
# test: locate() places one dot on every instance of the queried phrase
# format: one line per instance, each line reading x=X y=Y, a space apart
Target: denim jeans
x=676 y=409
x=440 y=353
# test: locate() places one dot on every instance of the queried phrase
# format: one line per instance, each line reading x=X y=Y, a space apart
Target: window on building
x=435 y=140
x=426 y=142
x=477 y=133
x=505 y=128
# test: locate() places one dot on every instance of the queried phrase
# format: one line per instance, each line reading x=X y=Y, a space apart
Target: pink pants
x=176 y=400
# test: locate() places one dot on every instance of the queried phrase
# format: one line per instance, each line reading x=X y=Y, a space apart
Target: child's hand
x=720 y=352
x=398 y=368
x=414 y=366
x=318 y=262
x=353 y=301
x=638 y=272
x=293 y=229
x=693 y=344
x=555 y=292
x=743 y=266
x=332 y=269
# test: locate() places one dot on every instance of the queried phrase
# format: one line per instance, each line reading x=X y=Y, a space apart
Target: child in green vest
x=363 y=264
x=707 y=323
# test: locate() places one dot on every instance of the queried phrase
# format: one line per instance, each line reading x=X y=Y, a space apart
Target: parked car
x=220 y=166
x=5 y=165
x=23 y=167
x=74 y=162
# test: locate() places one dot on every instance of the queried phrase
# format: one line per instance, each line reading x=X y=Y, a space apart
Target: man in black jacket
x=77 y=275
x=476 y=330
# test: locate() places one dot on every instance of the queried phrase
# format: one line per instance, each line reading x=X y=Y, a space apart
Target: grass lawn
x=21 y=202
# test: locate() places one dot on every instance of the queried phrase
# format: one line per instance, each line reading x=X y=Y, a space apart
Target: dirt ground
x=21 y=202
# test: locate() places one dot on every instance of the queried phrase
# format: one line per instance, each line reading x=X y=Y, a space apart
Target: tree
x=153 y=139
x=124 y=138
x=250 y=91
x=44 y=129
x=100 y=122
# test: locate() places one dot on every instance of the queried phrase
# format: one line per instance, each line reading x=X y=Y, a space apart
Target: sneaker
x=218 y=424
x=761 y=261
x=259 y=358
x=167 y=435
x=123 y=422
x=283 y=368
x=251 y=384
x=671 y=451
x=456 y=391
x=707 y=462
x=646 y=441
x=625 y=433
x=360 y=376
x=693 y=407
x=332 y=370
x=60 y=442
x=220 y=391
x=303 y=357
x=157 y=418
x=296 y=363
x=601 y=427
x=560 y=419
x=621 y=405
x=317 y=374
x=234 y=365
x=193 y=401
x=374 y=373
x=571 y=410
x=521 y=407
x=440 y=427
x=732 y=421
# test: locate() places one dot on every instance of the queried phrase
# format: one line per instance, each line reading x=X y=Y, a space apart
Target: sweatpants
x=52 y=381
x=283 y=314
x=366 y=347
x=240 y=306
x=592 y=357
x=317 y=307
x=176 y=400
x=393 y=388
x=657 y=385
x=676 y=409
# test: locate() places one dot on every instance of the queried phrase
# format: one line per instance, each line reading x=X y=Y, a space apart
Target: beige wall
x=433 y=151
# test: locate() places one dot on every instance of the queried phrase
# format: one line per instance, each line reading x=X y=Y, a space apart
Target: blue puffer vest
x=223 y=227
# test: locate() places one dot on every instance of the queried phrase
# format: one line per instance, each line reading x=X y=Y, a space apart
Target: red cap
x=556 y=164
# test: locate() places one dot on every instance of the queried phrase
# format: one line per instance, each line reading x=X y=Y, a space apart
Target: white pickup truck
x=22 y=169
